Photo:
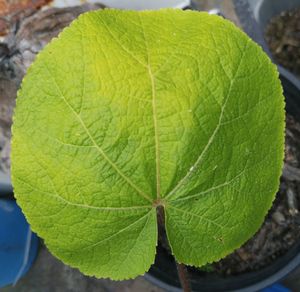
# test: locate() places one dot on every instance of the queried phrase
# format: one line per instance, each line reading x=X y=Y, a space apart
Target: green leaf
x=127 y=111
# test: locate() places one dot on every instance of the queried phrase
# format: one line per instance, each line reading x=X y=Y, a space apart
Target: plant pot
x=128 y=4
x=18 y=245
x=254 y=15
x=5 y=185
x=146 y=4
x=164 y=274
x=264 y=10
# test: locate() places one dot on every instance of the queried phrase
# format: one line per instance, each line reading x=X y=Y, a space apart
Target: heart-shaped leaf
x=127 y=111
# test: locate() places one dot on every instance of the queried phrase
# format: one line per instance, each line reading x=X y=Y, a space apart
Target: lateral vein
x=113 y=165
x=154 y=114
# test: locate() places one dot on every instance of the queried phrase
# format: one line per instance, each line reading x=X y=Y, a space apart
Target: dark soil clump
x=283 y=37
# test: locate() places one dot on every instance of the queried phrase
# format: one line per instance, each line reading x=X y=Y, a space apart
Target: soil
x=14 y=10
x=283 y=37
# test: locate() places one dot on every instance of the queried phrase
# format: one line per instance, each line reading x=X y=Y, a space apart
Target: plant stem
x=162 y=236
x=183 y=277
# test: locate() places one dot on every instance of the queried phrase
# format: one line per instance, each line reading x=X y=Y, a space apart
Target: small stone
x=278 y=217
x=292 y=201
x=243 y=254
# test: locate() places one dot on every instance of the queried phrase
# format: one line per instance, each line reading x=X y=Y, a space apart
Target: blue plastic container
x=18 y=245
x=276 y=288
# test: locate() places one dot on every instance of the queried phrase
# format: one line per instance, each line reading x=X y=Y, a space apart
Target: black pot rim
x=252 y=25
x=279 y=275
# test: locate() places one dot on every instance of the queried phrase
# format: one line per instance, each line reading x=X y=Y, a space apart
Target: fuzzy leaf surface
x=129 y=110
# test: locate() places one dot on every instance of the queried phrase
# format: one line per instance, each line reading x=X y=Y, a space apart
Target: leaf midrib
x=154 y=111
x=155 y=123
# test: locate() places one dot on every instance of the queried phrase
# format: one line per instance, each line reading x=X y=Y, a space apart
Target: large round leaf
x=127 y=111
